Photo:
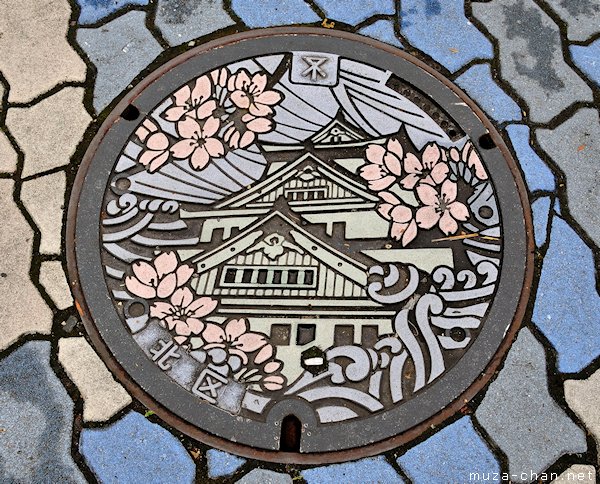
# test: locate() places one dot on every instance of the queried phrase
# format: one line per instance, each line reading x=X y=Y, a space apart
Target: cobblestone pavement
x=532 y=65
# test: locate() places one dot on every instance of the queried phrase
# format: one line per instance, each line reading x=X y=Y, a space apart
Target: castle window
x=230 y=275
x=306 y=194
x=267 y=277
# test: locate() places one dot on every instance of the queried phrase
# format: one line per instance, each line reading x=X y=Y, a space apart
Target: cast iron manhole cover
x=300 y=246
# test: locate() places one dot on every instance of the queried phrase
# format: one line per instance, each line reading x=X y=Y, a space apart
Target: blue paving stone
x=478 y=83
x=266 y=13
x=450 y=456
x=222 y=463
x=355 y=11
x=588 y=59
x=36 y=416
x=537 y=174
x=373 y=469
x=119 y=49
x=567 y=304
x=94 y=10
x=382 y=30
x=540 y=209
x=134 y=449
x=441 y=30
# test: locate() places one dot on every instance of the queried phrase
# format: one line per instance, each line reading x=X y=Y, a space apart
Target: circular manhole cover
x=300 y=246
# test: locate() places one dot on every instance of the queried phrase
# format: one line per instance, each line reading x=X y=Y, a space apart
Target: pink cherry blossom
x=469 y=156
x=183 y=314
x=384 y=165
x=241 y=132
x=158 y=279
x=234 y=338
x=156 y=143
x=196 y=102
x=430 y=169
x=198 y=141
x=273 y=382
x=404 y=227
x=250 y=93
x=440 y=208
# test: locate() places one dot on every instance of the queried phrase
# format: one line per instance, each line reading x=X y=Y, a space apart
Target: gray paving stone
x=184 y=20
x=521 y=417
x=44 y=199
x=264 y=476
x=578 y=473
x=575 y=148
x=52 y=277
x=531 y=57
x=581 y=16
x=119 y=49
x=36 y=416
x=22 y=309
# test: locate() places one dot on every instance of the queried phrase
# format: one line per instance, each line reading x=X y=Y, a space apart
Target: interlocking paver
x=581 y=16
x=442 y=31
x=119 y=49
x=355 y=11
x=49 y=131
x=373 y=469
x=541 y=210
x=382 y=30
x=102 y=396
x=264 y=476
x=33 y=40
x=36 y=416
x=267 y=13
x=587 y=58
x=22 y=310
x=451 y=455
x=184 y=20
x=477 y=81
x=133 y=449
x=522 y=418
x=575 y=148
x=93 y=11
x=52 y=277
x=44 y=199
x=531 y=57
x=222 y=463
x=583 y=397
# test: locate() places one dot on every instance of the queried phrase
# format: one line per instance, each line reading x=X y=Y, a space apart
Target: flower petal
x=158 y=161
x=439 y=173
x=392 y=163
x=167 y=286
x=410 y=181
x=260 y=110
x=398 y=230
x=259 y=82
x=270 y=98
x=250 y=342
x=184 y=148
x=264 y=354
x=145 y=273
x=412 y=164
x=431 y=155
x=447 y=224
x=384 y=209
x=200 y=158
x=136 y=287
x=182 y=328
x=449 y=190
x=375 y=154
x=160 y=310
x=401 y=214
x=213 y=334
x=383 y=183
x=182 y=297
x=175 y=113
x=272 y=366
x=202 y=307
x=247 y=139
x=410 y=233
x=202 y=90
x=235 y=328
x=428 y=195
x=371 y=172
x=157 y=142
x=214 y=147
x=240 y=99
x=180 y=339
x=395 y=147
x=183 y=274
x=427 y=217
x=210 y=127
x=273 y=382
x=459 y=211
x=206 y=109
x=390 y=198
x=260 y=125
x=188 y=128
x=242 y=79
x=196 y=326
x=165 y=263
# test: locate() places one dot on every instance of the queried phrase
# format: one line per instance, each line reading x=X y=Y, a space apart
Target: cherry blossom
x=235 y=338
x=183 y=314
x=469 y=156
x=241 y=132
x=158 y=279
x=250 y=93
x=430 y=169
x=404 y=227
x=196 y=103
x=157 y=144
x=440 y=208
x=384 y=165
x=198 y=141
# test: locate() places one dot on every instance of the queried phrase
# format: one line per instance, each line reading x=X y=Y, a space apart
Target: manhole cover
x=300 y=246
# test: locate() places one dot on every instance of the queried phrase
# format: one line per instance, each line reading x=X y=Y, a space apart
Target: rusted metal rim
x=277 y=456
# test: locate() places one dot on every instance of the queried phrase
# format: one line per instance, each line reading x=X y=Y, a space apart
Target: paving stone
x=119 y=49
x=8 y=155
x=102 y=396
x=583 y=397
x=264 y=476
x=373 y=469
x=582 y=474
x=94 y=10
x=44 y=199
x=355 y=11
x=521 y=417
x=267 y=13
x=451 y=455
x=133 y=449
x=34 y=52
x=537 y=174
x=478 y=83
x=184 y=20
x=49 y=131
x=541 y=209
x=382 y=30
x=442 y=31
x=36 y=416
x=581 y=16
x=22 y=309
x=567 y=303
x=531 y=57
x=52 y=277
x=575 y=147
x=587 y=58
x=222 y=463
